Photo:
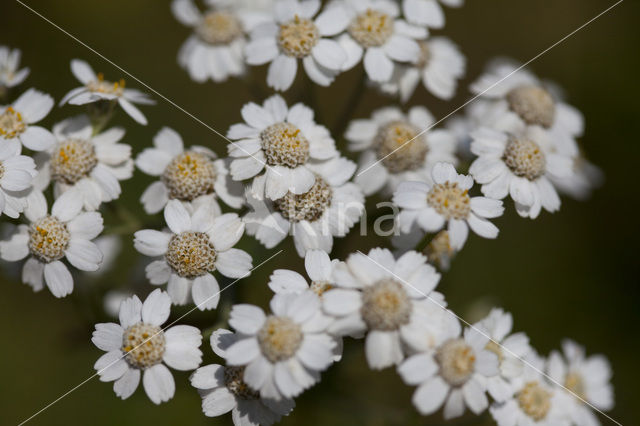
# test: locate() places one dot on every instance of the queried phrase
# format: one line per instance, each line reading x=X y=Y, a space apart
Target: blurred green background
x=571 y=274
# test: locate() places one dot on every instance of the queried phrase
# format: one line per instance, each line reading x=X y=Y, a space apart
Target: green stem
x=351 y=104
x=100 y=113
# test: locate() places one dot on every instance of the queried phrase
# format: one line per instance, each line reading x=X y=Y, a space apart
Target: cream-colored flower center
x=401 y=147
x=279 y=338
x=189 y=175
x=525 y=158
x=534 y=400
x=48 y=239
x=456 y=360
x=320 y=287
x=72 y=160
x=386 y=305
x=284 y=145
x=439 y=250
x=143 y=345
x=371 y=28
x=308 y=206
x=234 y=381
x=298 y=37
x=575 y=384
x=104 y=86
x=219 y=28
x=191 y=254
x=449 y=200
x=533 y=104
x=11 y=123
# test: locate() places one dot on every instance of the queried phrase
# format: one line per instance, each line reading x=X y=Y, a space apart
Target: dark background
x=571 y=274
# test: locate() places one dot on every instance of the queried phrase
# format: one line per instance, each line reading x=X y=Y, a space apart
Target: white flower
x=286 y=141
x=510 y=349
x=587 y=377
x=51 y=237
x=17 y=120
x=585 y=178
x=10 y=76
x=16 y=174
x=295 y=34
x=192 y=175
x=330 y=208
x=197 y=244
x=95 y=88
x=398 y=147
x=447 y=201
x=365 y=285
x=439 y=67
x=283 y=352
x=376 y=32
x=519 y=165
x=223 y=389
x=90 y=164
x=534 y=402
x=454 y=374
x=139 y=344
x=426 y=13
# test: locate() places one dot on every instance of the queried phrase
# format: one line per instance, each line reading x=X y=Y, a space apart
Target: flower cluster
x=283 y=175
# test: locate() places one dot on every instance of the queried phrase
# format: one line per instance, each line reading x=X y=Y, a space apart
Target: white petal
x=402 y=49
x=341 y=302
x=156 y=308
x=205 y=292
x=208 y=377
x=83 y=254
x=382 y=349
x=182 y=343
x=158 y=383
x=108 y=336
x=458 y=232
x=82 y=71
x=454 y=407
x=58 y=278
x=127 y=384
x=226 y=231
x=177 y=217
x=218 y=402
x=134 y=113
x=282 y=72
x=155 y=197
x=33 y=105
x=37 y=138
x=246 y=319
x=482 y=227
x=475 y=397
x=111 y=366
x=329 y=54
x=151 y=242
x=86 y=226
x=285 y=281
x=418 y=369
x=332 y=21
x=243 y=352
x=318 y=265
x=430 y=395
x=378 y=66
x=158 y=272
x=179 y=289
x=234 y=263
x=315 y=352
x=130 y=311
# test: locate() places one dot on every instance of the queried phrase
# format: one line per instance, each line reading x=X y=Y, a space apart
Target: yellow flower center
x=400 y=148
x=449 y=200
x=219 y=28
x=191 y=254
x=143 y=345
x=457 y=361
x=371 y=28
x=104 y=86
x=189 y=175
x=284 y=145
x=48 y=239
x=533 y=104
x=534 y=401
x=72 y=160
x=525 y=158
x=308 y=206
x=386 y=305
x=298 y=37
x=11 y=123
x=279 y=338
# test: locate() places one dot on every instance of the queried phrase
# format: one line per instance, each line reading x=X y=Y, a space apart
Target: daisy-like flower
x=16 y=174
x=193 y=175
x=397 y=148
x=455 y=375
x=283 y=353
x=95 y=88
x=385 y=297
x=330 y=208
x=588 y=378
x=520 y=165
x=534 y=402
x=196 y=244
x=10 y=75
x=64 y=233
x=223 y=389
x=439 y=67
x=17 y=120
x=286 y=141
x=376 y=33
x=446 y=202
x=139 y=346
x=91 y=165
x=510 y=348
x=296 y=34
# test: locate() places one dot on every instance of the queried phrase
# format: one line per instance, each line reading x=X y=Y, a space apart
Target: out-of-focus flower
x=10 y=75
x=17 y=120
x=16 y=174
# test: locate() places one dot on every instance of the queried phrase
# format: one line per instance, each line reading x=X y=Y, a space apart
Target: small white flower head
x=397 y=147
x=534 y=401
x=585 y=377
x=296 y=34
x=439 y=67
x=287 y=141
x=17 y=120
x=453 y=375
x=511 y=349
x=10 y=75
x=585 y=177
x=91 y=165
x=16 y=174
x=283 y=352
x=95 y=88
x=196 y=244
x=330 y=208
x=376 y=33
x=50 y=237
x=140 y=346
x=191 y=175
x=223 y=389
x=385 y=297
x=446 y=202
x=520 y=165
